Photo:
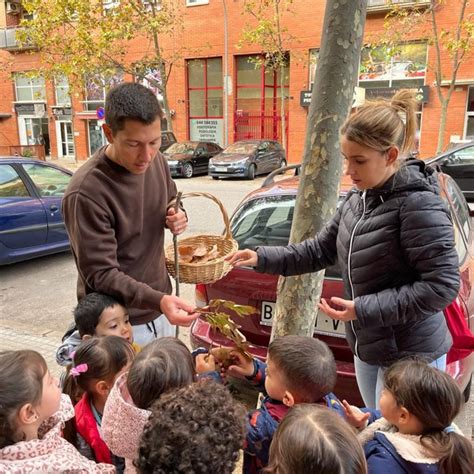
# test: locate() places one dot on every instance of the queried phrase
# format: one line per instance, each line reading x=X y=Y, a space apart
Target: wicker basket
x=213 y=270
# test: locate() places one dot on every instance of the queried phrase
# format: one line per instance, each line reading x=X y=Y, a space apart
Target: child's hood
x=123 y=422
x=48 y=434
x=69 y=345
x=406 y=446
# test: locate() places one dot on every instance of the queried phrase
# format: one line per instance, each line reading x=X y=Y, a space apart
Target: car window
x=11 y=185
x=201 y=149
x=464 y=156
x=181 y=148
x=460 y=216
x=49 y=181
x=263 y=221
x=267 y=221
x=241 y=147
x=211 y=147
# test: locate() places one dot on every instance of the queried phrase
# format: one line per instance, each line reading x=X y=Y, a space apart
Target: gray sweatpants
x=148 y=332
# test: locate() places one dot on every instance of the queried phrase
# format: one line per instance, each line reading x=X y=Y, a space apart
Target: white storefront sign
x=207 y=130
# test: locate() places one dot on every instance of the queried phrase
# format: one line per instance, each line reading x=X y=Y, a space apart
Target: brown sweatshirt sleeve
x=94 y=246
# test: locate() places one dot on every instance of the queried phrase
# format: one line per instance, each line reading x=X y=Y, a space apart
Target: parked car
x=458 y=162
x=189 y=158
x=247 y=159
x=31 y=223
x=264 y=218
x=167 y=139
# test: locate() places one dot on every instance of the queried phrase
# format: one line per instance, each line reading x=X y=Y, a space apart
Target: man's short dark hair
x=130 y=101
x=198 y=428
x=306 y=364
x=88 y=310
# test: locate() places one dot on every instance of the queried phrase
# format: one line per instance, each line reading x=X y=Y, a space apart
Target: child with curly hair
x=413 y=432
x=313 y=439
x=298 y=370
x=163 y=365
x=199 y=428
x=32 y=416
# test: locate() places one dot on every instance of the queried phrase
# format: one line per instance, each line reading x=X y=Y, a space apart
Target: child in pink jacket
x=163 y=365
x=32 y=416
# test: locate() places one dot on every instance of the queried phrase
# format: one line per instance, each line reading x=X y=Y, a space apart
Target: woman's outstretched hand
x=346 y=313
x=243 y=258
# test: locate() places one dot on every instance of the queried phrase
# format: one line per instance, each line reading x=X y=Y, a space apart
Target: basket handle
x=228 y=234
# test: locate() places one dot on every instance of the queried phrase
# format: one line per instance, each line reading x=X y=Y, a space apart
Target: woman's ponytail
x=383 y=124
x=404 y=102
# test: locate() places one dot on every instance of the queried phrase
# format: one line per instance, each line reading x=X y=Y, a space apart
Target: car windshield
x=181 y=148
x=267 y=221
x=239 y=147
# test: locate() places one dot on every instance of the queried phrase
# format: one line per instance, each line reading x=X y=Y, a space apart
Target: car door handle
x=54 y=208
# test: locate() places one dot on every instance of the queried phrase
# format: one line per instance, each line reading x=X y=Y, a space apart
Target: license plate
x=324 y=324
x=220 y=169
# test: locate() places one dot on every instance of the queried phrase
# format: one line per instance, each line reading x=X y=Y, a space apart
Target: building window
x=96 y=136
x=150 y=77
x=313 y=63
x=205 y=87
x=110 y=4
x=61 y=88
x=258 y=102
x=194 y=3
x=29 y=89
x=469 y=135
x=384 y=71
x=205 y=98
x=402 y=67
x=97 y=87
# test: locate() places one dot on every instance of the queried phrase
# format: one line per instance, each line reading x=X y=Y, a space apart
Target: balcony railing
x=383 y=5
x=9 y=41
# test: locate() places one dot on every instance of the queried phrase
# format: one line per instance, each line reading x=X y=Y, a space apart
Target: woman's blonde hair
x=383 y=124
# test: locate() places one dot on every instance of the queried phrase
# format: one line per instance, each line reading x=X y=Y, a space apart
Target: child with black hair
x=413 y=432
x=32 y=416
x=298 y=370
x=96 y=364
x=95 y=315
x=198 y=428
x=312 y=439
x=163 y=365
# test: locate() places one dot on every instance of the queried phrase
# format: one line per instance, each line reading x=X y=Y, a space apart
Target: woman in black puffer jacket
x=394 y=241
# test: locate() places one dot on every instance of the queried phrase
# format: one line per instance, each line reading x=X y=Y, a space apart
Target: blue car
x=31 y=223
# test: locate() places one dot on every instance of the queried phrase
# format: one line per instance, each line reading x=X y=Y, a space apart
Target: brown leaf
x=200 y=251
x=186 y=251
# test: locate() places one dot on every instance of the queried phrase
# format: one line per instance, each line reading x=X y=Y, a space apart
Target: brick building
x=33 y=111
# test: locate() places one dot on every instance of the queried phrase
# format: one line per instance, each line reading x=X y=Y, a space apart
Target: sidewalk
x=68 y=163
x=46 y=344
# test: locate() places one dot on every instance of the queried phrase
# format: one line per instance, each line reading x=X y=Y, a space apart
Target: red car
x=264 y=218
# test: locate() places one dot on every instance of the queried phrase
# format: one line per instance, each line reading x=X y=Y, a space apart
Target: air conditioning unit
x=13 y=8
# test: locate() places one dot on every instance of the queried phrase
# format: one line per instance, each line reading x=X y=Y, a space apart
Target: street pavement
x=37 y=297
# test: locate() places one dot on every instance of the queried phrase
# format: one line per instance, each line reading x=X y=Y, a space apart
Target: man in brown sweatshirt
x=116 y=209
